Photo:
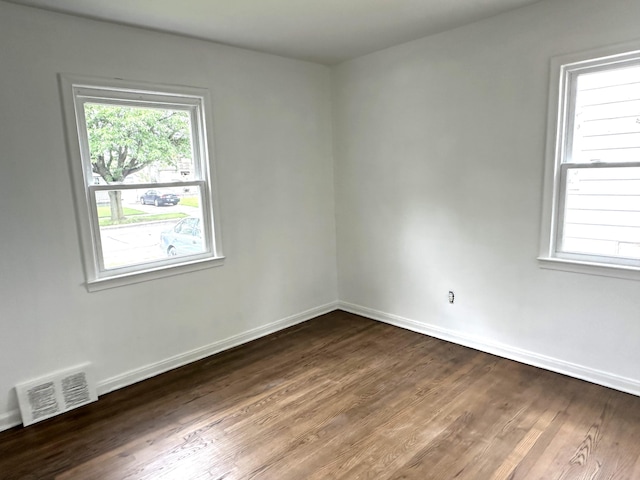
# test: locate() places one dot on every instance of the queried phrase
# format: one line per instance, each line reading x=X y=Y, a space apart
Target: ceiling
x=322 y=31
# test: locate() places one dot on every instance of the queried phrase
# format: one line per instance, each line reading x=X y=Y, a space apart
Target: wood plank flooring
x=340 y=397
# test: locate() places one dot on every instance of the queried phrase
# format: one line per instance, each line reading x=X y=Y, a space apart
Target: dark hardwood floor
x=340 y=397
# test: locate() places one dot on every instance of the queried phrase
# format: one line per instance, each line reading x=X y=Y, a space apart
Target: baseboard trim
x=148 y=371
x=627 y=385
x=10 y=419
x=13 y=418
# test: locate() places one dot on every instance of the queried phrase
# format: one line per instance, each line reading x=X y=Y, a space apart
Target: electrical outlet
x=451 y=296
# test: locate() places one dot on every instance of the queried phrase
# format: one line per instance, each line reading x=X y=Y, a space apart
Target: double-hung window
x=143 y=178
x=592 y=219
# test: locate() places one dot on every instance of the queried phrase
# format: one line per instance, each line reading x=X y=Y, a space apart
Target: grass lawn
x=137 y=218
x=105 y=211
x=190 y=201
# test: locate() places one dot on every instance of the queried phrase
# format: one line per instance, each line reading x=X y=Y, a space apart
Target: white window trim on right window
x=561 y=115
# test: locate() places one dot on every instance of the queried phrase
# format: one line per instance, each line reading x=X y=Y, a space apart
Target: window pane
x=602 y=212
x=607 y=116
x=153 y=225
x=138 y=145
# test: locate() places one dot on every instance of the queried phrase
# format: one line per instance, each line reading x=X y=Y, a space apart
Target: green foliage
x=124 y=140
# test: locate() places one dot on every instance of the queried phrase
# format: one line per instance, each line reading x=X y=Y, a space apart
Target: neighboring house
x=152 y=174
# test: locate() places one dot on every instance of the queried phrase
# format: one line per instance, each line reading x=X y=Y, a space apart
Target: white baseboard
x=10 y=419
x=588 y=374
x=148 y=371
x=628 y=385
x=13 y=418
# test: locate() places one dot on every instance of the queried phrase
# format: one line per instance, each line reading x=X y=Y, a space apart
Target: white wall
x=272 y=127
x=438 y=149
x=439 y=155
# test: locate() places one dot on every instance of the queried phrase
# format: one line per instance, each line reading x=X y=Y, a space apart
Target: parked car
x=185 y=238
x=154 y=197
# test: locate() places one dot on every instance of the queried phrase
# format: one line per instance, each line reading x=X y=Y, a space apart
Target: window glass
x=595 y=209
x=602 y=212
x=606 y=123
x=141 y=164
x=143 y=233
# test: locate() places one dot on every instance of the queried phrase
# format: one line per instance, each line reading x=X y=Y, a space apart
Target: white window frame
x=77 y=90
x=561 y=110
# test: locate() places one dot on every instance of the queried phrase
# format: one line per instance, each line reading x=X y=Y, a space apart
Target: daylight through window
x=596 y=215
x=142 y=167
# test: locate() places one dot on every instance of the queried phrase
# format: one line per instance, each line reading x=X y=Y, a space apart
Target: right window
x=595 y=206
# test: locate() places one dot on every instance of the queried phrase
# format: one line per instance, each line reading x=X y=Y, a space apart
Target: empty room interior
x=295 y=240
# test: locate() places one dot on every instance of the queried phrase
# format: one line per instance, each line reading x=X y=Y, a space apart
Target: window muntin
x=140 y=162
x=596 y=188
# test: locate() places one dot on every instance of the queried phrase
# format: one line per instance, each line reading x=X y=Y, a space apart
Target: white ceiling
x=323 y=31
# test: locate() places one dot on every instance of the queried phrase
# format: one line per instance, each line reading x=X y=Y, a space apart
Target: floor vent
x=55 y=394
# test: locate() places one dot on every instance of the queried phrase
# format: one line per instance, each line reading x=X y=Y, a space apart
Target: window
x=592 y=220
x=142 y=177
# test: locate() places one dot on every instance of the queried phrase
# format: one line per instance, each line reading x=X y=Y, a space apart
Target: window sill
x=590 y=268
x=153 y=274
